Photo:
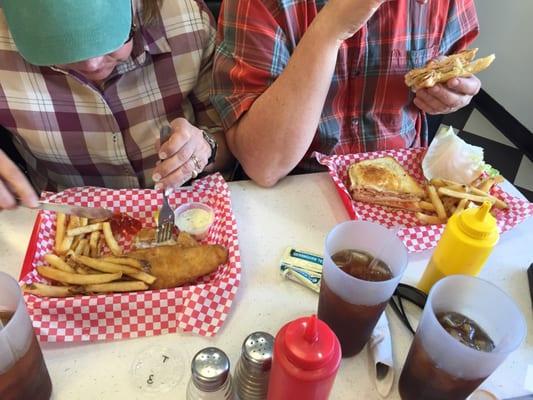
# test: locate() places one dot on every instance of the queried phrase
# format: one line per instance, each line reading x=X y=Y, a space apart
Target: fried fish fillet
x=176 y=265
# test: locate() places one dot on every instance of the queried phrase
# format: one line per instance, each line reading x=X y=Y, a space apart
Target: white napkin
x=380 y=348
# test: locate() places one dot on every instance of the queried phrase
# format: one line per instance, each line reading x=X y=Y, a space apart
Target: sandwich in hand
x=383 y=181
x=442 y=70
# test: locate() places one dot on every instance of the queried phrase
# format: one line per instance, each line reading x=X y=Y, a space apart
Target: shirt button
x=355 y=122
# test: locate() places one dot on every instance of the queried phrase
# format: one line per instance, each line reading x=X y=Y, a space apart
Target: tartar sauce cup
x=195 y=218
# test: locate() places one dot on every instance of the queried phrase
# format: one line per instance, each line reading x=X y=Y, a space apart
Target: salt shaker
x=210 y=376
x=253 y=369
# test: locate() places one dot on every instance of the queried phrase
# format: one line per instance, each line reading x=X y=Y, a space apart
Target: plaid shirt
x=368 y=106
x=72 y=133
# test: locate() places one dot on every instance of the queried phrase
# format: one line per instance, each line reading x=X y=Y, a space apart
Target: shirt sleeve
x=252 y=52
x=206 y=116
x=462 y=27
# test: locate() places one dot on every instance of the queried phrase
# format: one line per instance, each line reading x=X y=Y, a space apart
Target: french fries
x=124 y=286
x=41 y=289
x=58 y=263
x=77 y=279
x=436 y=201
x=76 y=268
x=447 y=198
x=61 y=220
x=110 y=239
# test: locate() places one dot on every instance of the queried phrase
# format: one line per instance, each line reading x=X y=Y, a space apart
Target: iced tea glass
x=439 y=366
x=349 y=305
x=23 y=373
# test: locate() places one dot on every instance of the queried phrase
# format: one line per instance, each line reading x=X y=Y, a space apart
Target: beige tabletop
x=298 y=212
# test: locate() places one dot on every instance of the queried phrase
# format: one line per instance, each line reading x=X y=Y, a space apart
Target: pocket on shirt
x=419 y=58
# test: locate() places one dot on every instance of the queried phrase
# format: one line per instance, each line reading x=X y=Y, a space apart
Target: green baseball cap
x=49 y=32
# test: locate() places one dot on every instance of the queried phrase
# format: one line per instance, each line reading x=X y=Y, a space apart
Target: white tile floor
x=524 y=177
x=479 y=125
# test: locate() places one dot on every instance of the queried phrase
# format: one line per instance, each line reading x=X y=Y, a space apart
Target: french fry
x=84 y=221
x=460 y=195
x=449 y=204
x=426 y=206
x=96 y=220
x=497 y=202
x=463 y=203
x=124 y=286
x=76 y=279
x=65 y=245
x=132 y=262
x=93 y=243
x=110 y=239
x=104 y=266
x=80 y=249
x=429 y=219
x=40 y=289
x=73 y=222
x=438 y=182
x=58 y=263
x=80 y=269
x=486 y=185
x=75 y=243
x=435 y=199
x=61 y=223
x=86 y=250
x=143 y=276
x=81 y=230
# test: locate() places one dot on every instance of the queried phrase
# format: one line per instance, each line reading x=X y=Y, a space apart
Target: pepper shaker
x=210 y=376
x=253 y=369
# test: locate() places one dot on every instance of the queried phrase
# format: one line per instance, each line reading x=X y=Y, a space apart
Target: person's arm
x=273 y=135
x=14 y=185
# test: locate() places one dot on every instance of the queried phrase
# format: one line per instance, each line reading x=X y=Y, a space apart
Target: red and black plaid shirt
x=368 y=106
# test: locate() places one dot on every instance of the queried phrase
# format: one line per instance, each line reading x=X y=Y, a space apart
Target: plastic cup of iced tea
x=23 y=373
x=355 y=288
x=467 y=329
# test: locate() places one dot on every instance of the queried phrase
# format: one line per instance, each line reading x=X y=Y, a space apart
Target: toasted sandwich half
x=384 y=181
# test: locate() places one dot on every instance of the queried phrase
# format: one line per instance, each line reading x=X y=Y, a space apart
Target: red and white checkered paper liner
x=200 y=308
x=415 y=236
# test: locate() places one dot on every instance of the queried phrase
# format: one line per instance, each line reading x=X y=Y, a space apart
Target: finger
x=181 y=134
x=433 y=102
x=178 y=177
x=443 y=98
x=427 y=108
x=15 y=182
x=7 y=200
x=174 y=162
x=469 y=85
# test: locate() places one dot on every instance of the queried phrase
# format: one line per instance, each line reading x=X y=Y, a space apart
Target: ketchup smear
x=122 y=223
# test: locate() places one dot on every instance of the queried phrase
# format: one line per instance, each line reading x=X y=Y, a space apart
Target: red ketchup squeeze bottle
x=307 y=355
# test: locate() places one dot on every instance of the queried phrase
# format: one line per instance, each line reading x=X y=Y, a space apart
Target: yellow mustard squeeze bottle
x=465 y=245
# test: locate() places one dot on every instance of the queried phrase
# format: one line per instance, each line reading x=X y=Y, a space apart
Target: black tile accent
x=504 y=158
x=459 y=118
x=505 y=122
x=527 y=193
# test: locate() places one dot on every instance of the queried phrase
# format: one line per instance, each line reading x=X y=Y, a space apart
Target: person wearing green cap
x=87 y=86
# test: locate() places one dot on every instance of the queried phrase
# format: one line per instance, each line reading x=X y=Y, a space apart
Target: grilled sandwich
x=384 y=181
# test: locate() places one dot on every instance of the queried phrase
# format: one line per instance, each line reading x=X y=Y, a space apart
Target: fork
x=165 y=221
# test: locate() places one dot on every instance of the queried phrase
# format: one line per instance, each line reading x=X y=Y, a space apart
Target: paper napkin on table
x=380 y=348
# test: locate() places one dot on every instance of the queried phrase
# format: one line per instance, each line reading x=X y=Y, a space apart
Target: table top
x=298 y=212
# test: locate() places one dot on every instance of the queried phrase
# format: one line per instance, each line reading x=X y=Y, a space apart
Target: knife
x=87 y=212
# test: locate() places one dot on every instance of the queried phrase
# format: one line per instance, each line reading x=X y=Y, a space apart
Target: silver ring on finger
x=196 y=162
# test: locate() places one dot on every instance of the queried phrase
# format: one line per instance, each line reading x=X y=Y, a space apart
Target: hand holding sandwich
x=448 y=97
